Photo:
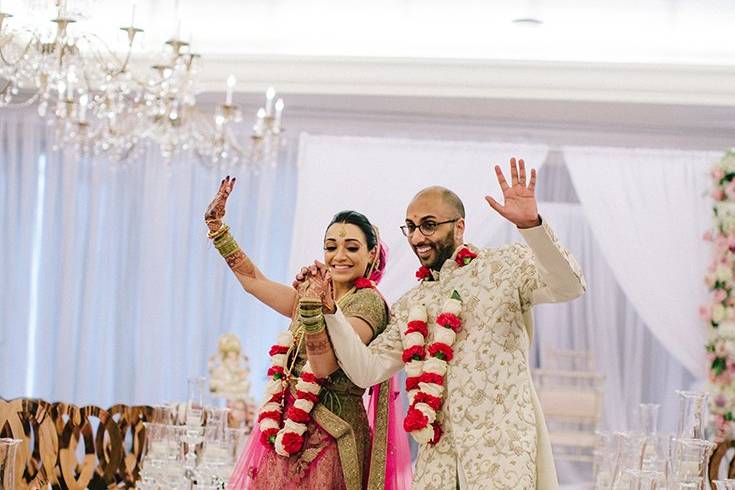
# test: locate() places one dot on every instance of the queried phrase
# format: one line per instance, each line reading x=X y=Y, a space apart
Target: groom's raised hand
x=519 y=199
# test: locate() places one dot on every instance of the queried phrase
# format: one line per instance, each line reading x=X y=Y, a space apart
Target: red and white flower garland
x=425 y=376
x=287 y=436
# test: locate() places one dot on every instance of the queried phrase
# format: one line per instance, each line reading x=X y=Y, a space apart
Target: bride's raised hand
x=216 y=209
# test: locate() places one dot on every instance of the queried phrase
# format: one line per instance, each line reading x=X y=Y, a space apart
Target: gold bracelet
x=227 y=247
x=314 y=324
x=311 y=316
x=218 y=232
x=223 y=238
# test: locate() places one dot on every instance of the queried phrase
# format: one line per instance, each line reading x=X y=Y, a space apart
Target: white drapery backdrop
x=111 y=291
x=648 y=210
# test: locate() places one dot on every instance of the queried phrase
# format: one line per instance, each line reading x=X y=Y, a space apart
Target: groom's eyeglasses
x=427 y=228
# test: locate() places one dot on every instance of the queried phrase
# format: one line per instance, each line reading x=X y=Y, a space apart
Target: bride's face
x=346 y=253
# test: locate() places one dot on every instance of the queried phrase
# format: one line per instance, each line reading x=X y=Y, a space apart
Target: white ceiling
x=629 y=51
x=623 y=31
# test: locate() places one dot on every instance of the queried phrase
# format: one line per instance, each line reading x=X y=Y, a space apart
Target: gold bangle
x=227 y=247
x=316 y=330
x=314 y=327
x=218 y=232
x=224 y=238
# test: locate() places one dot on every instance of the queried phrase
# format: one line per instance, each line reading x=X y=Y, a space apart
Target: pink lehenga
x=350 y=443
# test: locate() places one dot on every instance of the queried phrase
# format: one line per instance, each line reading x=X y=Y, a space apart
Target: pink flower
x=718 y=195
x=721 y=243
x=705 y=312
x=720 y=400
x=720 y=295
x=718 y=173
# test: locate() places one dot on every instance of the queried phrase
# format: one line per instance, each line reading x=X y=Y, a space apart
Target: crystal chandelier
x=100 y=103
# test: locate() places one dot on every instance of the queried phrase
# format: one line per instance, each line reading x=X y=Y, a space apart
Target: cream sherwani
x=495 y=436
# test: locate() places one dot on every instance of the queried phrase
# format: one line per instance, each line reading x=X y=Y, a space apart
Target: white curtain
x=648 y=210
x=111 y=291
x=637 y=368
x=379 y=176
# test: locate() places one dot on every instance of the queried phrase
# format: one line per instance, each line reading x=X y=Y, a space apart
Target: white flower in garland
x=286 y=435
x=425 y=375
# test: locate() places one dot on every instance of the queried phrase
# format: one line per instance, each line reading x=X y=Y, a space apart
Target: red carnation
x=464 y=257
x=437 y=433
x=298 y=415
x=449 y=320
x=423 y=273
x=431 y=378
x=309 y=378
x=432 y=401
x=278 y=397
x=268 y=437
x=362 y=283
x=442 y=351
x=270 y=415
x=276 y=371
x=415 y=353
x=417 y=326
x=412 y=383
x=278 y=349
x=305 y=395
x=415 y=420
x=292 y=442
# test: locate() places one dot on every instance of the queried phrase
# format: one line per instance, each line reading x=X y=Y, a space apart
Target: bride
x=313 y=430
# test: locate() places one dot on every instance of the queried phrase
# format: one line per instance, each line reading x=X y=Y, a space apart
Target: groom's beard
x=443 y=248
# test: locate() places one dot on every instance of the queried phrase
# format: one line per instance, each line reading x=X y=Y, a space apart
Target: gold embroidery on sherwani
x=340 y=411
x=489 y=414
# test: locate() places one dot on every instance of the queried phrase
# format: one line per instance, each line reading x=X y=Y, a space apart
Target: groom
x=469 y=382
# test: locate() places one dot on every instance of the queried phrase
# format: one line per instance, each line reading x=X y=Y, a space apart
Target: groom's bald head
x=444 y=195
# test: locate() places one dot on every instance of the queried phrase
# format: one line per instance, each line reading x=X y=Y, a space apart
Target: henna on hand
x=318 y=343
x=241 y=264
x=320 y=284
x=216 y=209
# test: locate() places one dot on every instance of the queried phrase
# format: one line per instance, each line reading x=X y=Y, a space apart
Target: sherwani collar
x=451 y=263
